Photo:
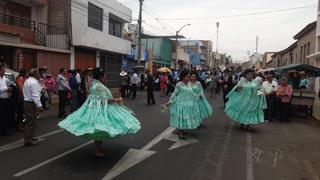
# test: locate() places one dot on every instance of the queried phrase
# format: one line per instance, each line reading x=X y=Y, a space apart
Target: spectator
x=74 y=91
x=23 y=75
x=135 y=83
x=88 y=81
x=170 y=88
x=150 y=88
x=203 y=77
x=284 y=93
x=142 y=81
x=304 y=82
x=44 y=96
x=32 y=105
x=5 y=90
x=123 y=83
x=270 y=88
x=50 y=83
x=213 y=84
x=63 y=87
x=163 y=84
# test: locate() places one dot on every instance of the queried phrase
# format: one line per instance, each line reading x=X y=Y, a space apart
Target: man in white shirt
x=135 y=83
x=4 y=102
x=32 y=105
x=270 y=88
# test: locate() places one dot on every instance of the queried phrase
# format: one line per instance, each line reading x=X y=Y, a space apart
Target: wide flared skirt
x=184 y=116
x=244 y=109
x=205 y=109
x=102 y=123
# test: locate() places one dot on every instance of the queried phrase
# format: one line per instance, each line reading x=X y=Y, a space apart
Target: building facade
x=161 y=48
x=98 y=36
x=29 y=38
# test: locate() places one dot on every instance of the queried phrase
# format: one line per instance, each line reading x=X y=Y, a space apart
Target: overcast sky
x=237 y=34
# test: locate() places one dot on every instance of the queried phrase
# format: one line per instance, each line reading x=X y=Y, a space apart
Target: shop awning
x=300 y=67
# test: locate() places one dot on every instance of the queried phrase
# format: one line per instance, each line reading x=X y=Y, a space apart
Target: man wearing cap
x=123 y=83
x=32 y=105
x=150 y=88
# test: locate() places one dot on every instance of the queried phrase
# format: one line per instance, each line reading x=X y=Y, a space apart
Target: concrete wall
x=82 y=35
x=308 y=38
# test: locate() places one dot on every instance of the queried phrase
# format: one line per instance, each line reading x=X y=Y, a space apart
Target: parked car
x=11 y=75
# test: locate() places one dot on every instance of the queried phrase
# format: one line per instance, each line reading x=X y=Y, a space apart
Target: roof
x=167 y=37
x=288 y=49
x=306 y=30
x=300 y=67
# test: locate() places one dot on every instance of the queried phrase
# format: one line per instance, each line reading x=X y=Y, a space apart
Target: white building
x=97 y=36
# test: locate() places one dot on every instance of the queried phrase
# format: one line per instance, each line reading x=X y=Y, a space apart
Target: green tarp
x=311 y=70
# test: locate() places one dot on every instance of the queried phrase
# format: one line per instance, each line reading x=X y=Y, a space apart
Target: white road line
x=50 y=160
x=157 y=139
x=250 y=171
x=20 y=143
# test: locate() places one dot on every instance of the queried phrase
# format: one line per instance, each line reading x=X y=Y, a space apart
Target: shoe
x=29 y=144
x=99 y=155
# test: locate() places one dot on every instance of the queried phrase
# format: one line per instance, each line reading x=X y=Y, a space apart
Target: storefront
x=85 y=58
x=112 y=63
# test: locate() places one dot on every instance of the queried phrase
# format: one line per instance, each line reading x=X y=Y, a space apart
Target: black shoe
x=29 y=144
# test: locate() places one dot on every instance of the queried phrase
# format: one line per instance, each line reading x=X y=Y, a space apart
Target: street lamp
x=177 y=44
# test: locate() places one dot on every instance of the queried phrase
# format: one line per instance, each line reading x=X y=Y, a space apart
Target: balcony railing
x=44 y=35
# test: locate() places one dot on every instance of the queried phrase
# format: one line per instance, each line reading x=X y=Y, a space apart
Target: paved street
x=217 y=150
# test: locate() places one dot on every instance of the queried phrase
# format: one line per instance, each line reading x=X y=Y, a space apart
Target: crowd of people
x=249 y=97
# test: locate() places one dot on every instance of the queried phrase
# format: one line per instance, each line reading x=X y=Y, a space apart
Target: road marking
x=21 y=173
x=276 y=156
x=250 y=172
x=179 y=143
x=20 y=143
x=135 y=156
x=156 y=140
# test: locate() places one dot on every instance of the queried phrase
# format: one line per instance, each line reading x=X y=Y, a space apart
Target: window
x=308 y=48
x=95 y=17
x=304 y=53
x=301 y=54
x=115 y=28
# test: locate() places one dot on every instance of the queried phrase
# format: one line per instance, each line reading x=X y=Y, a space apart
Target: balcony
x=31 y=32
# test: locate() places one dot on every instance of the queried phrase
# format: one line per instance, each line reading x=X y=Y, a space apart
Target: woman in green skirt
x=101 y=117
x=200 y=100
x=246 y=102
x=183 y=112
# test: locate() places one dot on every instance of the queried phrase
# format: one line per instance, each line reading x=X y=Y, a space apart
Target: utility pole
x=140 y=31
x=218 y=25
x=257 y=44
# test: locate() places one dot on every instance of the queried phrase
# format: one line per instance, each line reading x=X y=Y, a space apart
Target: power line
x=240 y=15
x=158 y=21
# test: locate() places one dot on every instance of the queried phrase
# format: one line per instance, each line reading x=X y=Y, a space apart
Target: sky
x=237 y=34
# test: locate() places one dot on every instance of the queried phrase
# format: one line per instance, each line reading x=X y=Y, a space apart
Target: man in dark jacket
x=150 y=88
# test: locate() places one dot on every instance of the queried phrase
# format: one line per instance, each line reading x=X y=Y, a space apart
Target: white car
x=11 y=75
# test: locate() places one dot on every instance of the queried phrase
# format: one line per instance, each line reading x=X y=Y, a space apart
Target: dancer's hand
x=239 y=88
